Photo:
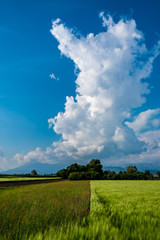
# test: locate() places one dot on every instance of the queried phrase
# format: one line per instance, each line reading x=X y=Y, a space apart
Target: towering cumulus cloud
x=112 y=67
x=99 y=122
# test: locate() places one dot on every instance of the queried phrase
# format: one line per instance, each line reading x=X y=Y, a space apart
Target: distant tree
x=104 y=176
x=147 y=172
x=158 y=173
x=93 y=170
x=34 y=172
x=82 y=168
x=117 y=176
x=74 y=176
x=94 y=175
x=110 y=177
x=78 y=176
x=140 y=175
x=84 y=175
x=131 y=169
x=106 y=172
x=95 y=165
x=62 y=173
x=73 y=168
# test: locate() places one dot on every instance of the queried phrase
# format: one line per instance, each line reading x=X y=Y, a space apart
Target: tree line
x=93 y=170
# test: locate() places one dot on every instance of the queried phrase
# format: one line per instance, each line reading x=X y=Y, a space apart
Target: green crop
x=21 y=179
x=26 y=210
x=127 y=210
x=119 y=210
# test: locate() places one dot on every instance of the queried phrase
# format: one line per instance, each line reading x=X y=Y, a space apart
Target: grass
x=127 y=210
x=119 y=210
x=20 y=179
x=27 y=210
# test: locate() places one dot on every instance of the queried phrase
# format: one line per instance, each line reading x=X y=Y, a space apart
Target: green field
x=126 y=209
x=119 y=210
x=27 y=210
x=17 y=178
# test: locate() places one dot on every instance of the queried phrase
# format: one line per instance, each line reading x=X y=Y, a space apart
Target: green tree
x=73 y=168
x=34 y=172
x=78 y=176
x=131 y=169
x=62 y=173
x=82 y=168
x=147 y=172
x=158 y=173
x=95 y=165
x=94 y=175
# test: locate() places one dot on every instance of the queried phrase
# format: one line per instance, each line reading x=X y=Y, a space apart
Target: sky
x=79 y=80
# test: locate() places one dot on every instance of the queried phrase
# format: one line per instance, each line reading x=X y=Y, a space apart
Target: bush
x=94 y=175
x=62 y=173
x=78 y=176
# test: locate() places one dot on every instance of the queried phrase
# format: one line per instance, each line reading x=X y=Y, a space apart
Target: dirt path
x=10 y=184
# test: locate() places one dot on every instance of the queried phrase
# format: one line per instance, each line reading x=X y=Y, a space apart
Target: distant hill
x=152 y=167
x=113 y=168
x=41 y=168
x=45 y=168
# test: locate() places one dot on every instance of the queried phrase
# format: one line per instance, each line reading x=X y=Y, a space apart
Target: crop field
x=27 y=210
x=17 y=178
x=119 y=210
x=126 y=209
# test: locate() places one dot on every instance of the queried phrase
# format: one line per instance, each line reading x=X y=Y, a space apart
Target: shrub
x=78 y=176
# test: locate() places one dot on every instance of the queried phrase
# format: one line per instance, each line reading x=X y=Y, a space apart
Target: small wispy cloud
x=52 y=76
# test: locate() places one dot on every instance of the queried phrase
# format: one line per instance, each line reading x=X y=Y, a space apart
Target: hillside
x=41 y=168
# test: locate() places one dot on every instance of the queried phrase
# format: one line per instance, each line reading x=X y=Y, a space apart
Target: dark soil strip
x=10 y=184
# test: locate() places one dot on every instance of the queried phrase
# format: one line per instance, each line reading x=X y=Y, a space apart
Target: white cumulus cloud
x=36 y=155
x=151 y=153
x=145 y=120
x=109 y=85
x=112 y=68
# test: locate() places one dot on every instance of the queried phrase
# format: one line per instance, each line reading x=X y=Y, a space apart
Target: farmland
x=26 y=210
x=119 y=210
x=126 y=209
x=22 y=178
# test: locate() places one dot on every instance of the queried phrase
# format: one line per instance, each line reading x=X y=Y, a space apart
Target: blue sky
x=29 y=54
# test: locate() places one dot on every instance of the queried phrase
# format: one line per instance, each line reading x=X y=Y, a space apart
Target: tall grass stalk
x=27 y=210
x=120 y=210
